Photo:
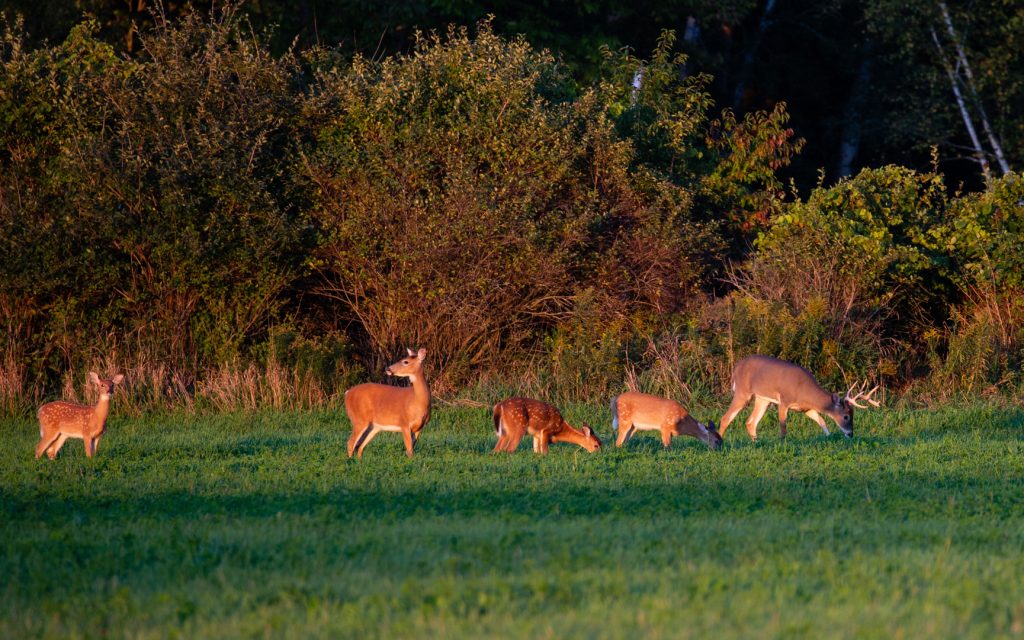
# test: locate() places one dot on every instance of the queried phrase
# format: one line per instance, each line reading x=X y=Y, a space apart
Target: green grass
x=236 y=525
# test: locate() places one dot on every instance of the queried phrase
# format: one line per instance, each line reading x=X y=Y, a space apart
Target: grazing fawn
x=772 y=381
x=516 y=417
x=61 y=420
x=633 y=411
x=373 y=408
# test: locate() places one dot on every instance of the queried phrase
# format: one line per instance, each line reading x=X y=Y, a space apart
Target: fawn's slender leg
x=54 y=448
x=44 y=444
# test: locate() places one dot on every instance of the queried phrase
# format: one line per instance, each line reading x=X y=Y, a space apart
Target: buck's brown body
x=517 y=417
x=61 y=420
x=770 y=381
x=373 y=408
x=633 y=411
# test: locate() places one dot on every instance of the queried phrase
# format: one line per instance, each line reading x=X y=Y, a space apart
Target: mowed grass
x=258 y=525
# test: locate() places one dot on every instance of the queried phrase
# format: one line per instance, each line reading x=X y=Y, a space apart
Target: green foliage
x=839 y=280
x=146 y=202
x=984 y=341
x=240 y=525
x=466 y=197
x=728 y=165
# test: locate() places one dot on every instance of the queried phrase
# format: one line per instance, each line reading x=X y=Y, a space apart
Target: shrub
x=840 y=281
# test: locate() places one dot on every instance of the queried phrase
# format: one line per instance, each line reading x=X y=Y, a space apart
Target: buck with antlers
x=517 y=417
x=634 y=411
x=373 y=408
x=772 y=381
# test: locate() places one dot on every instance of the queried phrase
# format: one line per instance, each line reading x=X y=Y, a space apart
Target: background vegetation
x=235 y=224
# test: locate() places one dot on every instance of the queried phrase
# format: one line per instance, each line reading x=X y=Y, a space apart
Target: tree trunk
x=979 y=151
x=972 y=89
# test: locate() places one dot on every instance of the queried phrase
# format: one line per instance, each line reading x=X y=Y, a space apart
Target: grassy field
x=258 y=525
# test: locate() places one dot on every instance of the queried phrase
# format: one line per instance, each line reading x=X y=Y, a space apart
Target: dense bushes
x=228 y=226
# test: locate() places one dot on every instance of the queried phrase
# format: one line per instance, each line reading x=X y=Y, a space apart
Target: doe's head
x=408 y=366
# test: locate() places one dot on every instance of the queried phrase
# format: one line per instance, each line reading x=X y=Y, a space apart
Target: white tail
x=61 y=420
x=373 y=408
x=517 y=417
x=772 y=381
x=633 y=411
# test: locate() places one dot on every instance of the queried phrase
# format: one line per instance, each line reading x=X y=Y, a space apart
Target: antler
x=852 y=397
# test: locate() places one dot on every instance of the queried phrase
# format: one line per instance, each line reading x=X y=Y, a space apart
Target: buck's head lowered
x=842 y=407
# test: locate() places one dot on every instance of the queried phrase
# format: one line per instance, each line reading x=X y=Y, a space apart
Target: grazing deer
x=373 y=408
x=516 y=417
x=633 y=411
x=61 y=420
x=772 y=381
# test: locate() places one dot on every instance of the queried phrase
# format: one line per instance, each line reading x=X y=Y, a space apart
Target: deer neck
x=569 y=434
x=420 y=390
x=100 y=412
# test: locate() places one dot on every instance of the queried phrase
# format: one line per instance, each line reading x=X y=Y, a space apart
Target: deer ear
x=118 y=379
x=93 y=378
x=409 y=352
x=836 y=400
x=587 y=431
x=422 y=354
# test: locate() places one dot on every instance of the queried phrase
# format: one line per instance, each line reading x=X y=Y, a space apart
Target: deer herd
x=373 y=408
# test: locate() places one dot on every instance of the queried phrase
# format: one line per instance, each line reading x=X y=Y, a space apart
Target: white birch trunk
x=979 y=151
x=971 y=87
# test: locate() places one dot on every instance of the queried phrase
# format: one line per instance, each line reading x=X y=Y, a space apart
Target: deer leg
x=737 y=404
x=358 y=439
x=512 y=442
x=96 y=443
x=507 y=442
x=783 y=414
x=666 y=436
x=89 y=448
x=760 y=406
x=371 y=433
x=544 y=441
x=54 y=448
x=625 y=433
x=814 y=415
x=409 y=440
x=44 y=444
x=536 y=444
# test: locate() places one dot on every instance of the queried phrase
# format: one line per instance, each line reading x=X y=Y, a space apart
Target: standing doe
x=772 y=381
x=61 y=420
x=634 y=411
x=373 y=408
x=516 y=417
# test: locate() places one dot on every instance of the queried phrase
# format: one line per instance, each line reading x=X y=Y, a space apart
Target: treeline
x=233 y=228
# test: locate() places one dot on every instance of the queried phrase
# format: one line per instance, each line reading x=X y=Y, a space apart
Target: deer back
x=780 y=381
